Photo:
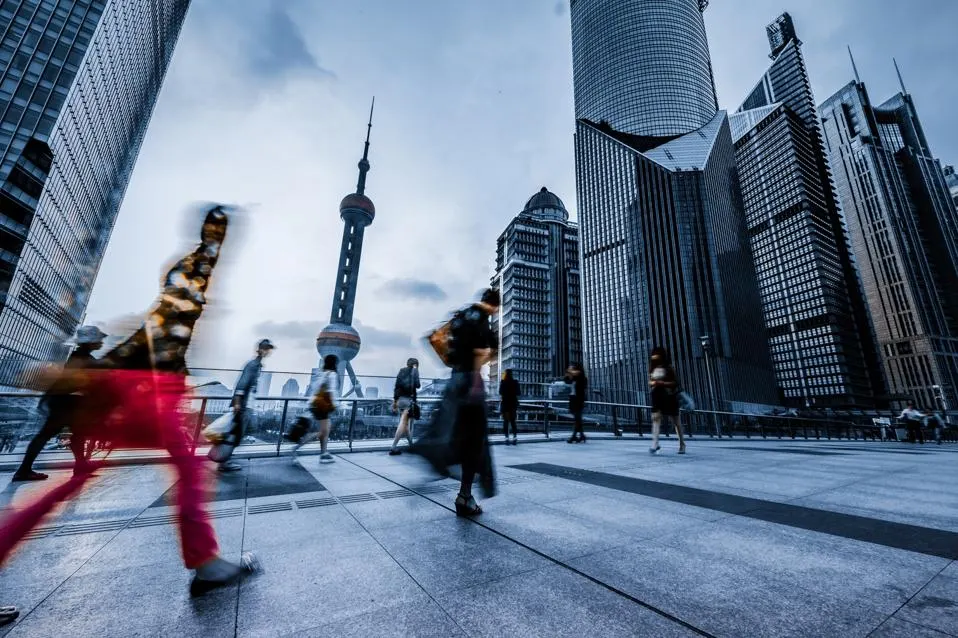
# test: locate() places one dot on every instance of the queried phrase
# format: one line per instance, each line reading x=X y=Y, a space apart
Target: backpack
x=322 y=404
x=442 y=339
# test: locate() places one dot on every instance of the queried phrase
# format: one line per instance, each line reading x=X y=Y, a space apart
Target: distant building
x=820 y=337
x=901 y=219
x=372 y=392
x=264 y=384
x=290 y=388
x=951 y=179
x=79 y=82
x=665 y=253
x=537 y=274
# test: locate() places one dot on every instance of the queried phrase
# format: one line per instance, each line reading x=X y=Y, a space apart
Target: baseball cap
x=265 y=344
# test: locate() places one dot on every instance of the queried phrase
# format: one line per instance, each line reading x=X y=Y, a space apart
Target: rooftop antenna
x=854 y=66
x=900 y=80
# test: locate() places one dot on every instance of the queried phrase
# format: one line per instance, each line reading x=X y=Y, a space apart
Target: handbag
x=414 y=412
x=322 y=402
x=299 y=430
x=217 y=431
x=221 y=452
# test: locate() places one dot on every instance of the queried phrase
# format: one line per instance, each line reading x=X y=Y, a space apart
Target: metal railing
x=360 y=422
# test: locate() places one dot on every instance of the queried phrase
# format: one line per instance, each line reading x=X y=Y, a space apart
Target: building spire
x=854 y=67
x=364 y=162
x=900 y=80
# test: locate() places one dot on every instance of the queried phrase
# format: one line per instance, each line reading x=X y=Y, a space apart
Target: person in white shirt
x=913 y=420
x=327 y=381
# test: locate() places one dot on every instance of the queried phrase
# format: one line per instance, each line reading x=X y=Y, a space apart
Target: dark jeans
x=51 y=428
x=914 y=432
x=577 y=415
x=509 y=418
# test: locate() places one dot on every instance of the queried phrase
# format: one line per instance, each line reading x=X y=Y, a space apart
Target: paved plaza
x=737 y=538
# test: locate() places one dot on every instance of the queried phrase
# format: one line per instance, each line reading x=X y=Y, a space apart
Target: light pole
x=707 y=350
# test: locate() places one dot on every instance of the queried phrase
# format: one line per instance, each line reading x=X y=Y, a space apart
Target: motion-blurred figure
x=509 y=406
x=575 y=376
x=242 y=413
x=61 y=405
x=321 y=406
x=135 y=403
x=404 y=398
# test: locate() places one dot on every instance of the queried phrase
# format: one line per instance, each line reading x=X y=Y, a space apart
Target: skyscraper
x=665 y=254
x=951 y=179
x=537 y=274
x=904 y=235
x=339 y=337
x=78 y=82
x=819 y=331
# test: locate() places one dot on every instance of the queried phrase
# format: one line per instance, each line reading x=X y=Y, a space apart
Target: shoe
x=230 y=466
x=8 y=614
x=224 y=574
x=681 y=449
x=655 y=450
x=573 y=440
x=582 y=438
x=326 y=457
x=515 y=440
x=393 y=452
x=467 y=506
x=29 y=476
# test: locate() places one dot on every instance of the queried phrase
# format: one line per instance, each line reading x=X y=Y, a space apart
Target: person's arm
x=245 y=384
x=396 y=388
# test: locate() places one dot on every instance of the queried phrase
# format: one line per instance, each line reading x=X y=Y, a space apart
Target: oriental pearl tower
x=339 y=337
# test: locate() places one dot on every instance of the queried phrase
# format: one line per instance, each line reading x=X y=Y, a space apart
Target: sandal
x=8 y=615
x=467 y=506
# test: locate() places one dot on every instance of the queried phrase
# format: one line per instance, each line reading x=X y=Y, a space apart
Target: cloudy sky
x=265 y=104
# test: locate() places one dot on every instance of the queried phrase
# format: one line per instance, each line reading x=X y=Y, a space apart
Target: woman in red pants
x=131 y=400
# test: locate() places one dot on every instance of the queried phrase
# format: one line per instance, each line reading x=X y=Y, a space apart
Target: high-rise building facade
x=904 y=232
x=951 y=180
x=78 y=83
x=820 y=335
x=665 y=254
x=537 y=273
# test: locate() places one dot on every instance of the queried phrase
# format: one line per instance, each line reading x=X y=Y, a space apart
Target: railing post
x=352 y=423
x=282 y=426
x=199 y=425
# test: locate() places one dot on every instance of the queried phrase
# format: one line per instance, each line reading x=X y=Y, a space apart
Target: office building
x=951 y=180
x=537 y=274
x=290 y=388
x=665 y=254
x=820 y=337
x=78 y=82
x=904 y=235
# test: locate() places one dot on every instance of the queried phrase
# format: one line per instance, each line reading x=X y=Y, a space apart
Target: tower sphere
x=339 y=339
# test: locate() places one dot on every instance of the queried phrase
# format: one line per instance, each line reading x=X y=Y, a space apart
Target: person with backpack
x=509 y=406
x=321 y=406
x=242 y=413
x=458 y=431
x=404 y=400
x=664 y=391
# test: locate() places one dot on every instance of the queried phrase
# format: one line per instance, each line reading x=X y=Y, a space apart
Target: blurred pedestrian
x=575 y=376
x=458 y=432
x=664 y=390
x=509 y=393
x=937 y=424
x=240 y=404
x=404 y=399
x=322 y=405
x=60 y=406
x=135 y=404
x=913 y=419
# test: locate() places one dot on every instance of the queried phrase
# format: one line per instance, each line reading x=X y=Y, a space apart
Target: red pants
x=132 y=409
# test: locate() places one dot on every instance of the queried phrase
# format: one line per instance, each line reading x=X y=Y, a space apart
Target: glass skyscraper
x=904 y=233
x=537 y=274
x=78 y=82
x=665 y=253
x=819 y=331
x=951 y=179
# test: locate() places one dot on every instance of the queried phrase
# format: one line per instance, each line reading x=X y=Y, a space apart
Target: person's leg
x=656 y=427
x=579 y=428
x=409 y=425
x=677 y=422
x=323 y=440
x=400 y=430
x=51 y=427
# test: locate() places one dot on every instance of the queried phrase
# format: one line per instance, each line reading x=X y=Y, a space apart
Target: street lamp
x=707 y=350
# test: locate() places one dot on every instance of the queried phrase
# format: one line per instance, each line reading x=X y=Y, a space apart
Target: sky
x=265 y=105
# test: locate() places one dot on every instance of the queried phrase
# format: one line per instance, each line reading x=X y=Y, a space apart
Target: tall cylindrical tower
x=643 y=66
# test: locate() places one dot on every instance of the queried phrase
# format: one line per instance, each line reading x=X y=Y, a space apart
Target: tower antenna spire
x=900 y=80
x=854 y=66
x=364 y=162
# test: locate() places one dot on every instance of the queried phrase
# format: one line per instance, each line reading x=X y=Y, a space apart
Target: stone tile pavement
x=737 y=538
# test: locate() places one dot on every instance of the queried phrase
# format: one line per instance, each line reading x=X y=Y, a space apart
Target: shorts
x=404 y=403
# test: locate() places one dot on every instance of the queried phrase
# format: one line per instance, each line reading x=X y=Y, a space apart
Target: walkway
x=737 y=538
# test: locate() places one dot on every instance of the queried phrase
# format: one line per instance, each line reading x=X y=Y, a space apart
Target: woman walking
x=131 y=399
x=509 y=398
x=322 y=405
x=575 y=376
x=404 y=397
x=664 y=389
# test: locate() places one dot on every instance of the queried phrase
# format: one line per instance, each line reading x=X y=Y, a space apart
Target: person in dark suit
x=575 y=376
x=509 y=397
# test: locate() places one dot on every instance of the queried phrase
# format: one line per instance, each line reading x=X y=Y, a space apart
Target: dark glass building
x=951 y=179
x=820 y=336
x=665 y=254
x=78 y=82
x=537 y=274
x=904 y=234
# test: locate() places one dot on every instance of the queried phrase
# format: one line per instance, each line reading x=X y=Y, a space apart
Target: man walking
x=61 y=405
x=245 y=387
x=913 y=418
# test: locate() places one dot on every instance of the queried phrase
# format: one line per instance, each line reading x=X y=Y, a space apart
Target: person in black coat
x=509 y=397
x=575 y=376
